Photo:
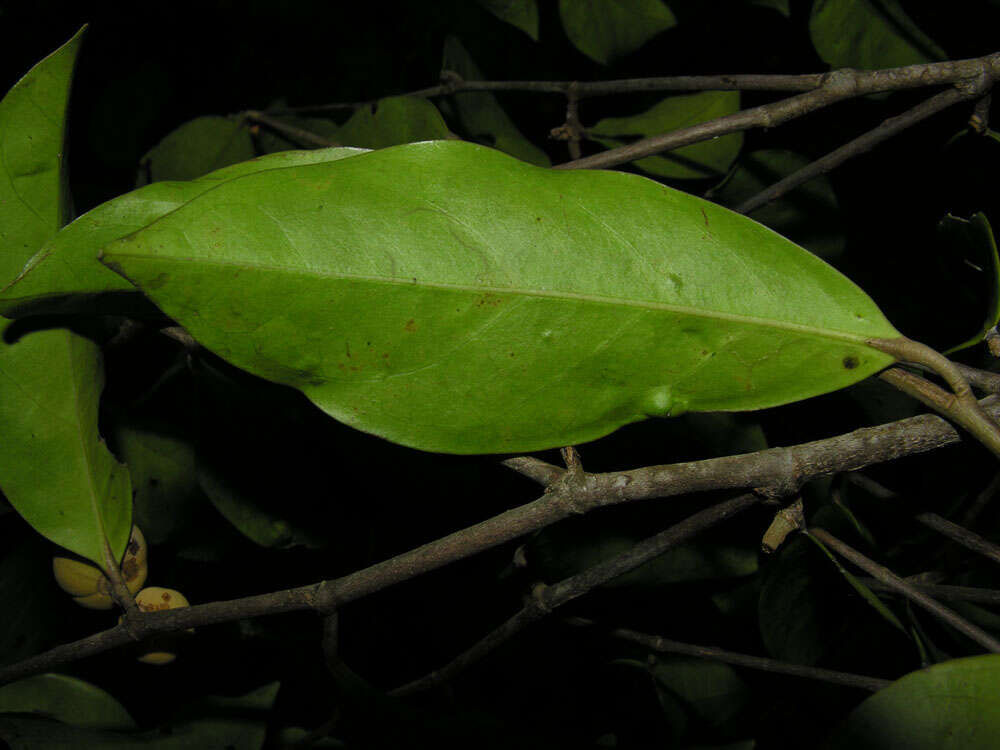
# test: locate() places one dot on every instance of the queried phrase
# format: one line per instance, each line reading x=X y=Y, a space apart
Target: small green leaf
x=391 y=121
x=451 y=298
x=604 y=30
x=975 y=234
x=196 y=148
x=65 y=271
x=809 y=215
x=66 y=699
x=869 y=34
x=520 y=13
x=481 y=116
x=54 y=468
x=705 y=159
x=949 y=706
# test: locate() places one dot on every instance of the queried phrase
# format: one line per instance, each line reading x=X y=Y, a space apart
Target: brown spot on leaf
x=851 y=362
x=410 y=326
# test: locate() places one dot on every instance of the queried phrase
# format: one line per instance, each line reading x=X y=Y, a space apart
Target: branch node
x=841 y=83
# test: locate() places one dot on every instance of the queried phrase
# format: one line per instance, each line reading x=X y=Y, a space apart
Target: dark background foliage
x=147 y=68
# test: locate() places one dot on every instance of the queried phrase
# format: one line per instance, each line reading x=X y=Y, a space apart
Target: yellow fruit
x=152 y=599
x=88 y=585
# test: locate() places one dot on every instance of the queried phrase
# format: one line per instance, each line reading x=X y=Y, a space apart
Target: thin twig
x=941 y=591
x=890 y=579
x=296 y=135
x=837 y=86
x=665 y=645
x=957 y=533
x=868 y=81
x=774 y=467
x=546 y=598
x=856 y=147
x=982 y=500
x=961 y=406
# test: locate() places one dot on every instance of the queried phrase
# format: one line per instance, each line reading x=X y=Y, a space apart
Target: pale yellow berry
x=88 y=585
x=152 y=599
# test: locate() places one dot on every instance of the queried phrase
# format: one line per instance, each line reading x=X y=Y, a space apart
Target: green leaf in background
x=809 y=215
x=949 y=706
x=231 y=723
x=481 y=116
x=391 y=121
x=604 y=30
x=869 y=34
x=261 y=524
x=572 y=547
x=975 y=234
x=196 y=148
x=54 y=468
x=711 y=158
x=67 y=699
x=520 y=13
x=782 y=6
x=451 y=298
x=164 y=478
x=66 y=267
x=866 y=593
x=711 y=688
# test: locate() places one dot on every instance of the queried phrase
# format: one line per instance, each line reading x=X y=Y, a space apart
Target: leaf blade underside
x=451 y=298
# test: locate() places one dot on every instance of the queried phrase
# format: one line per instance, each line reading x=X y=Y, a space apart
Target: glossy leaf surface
x=451 y=298
x=869 y=34
x=607 y=29
x=706 y=159
x=54 y=468
x=67 y=264
x=949 y=706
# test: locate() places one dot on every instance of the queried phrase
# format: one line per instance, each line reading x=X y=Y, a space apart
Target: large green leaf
x=54 y=468
x=66 y=266
x=196 y=148
x=451 y=298
x=481 y=116
x=950 y=706
x=705 y=159
x=606 y=29
x=869 y=34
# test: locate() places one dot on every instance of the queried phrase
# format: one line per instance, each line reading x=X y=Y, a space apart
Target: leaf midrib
x=105 y=257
